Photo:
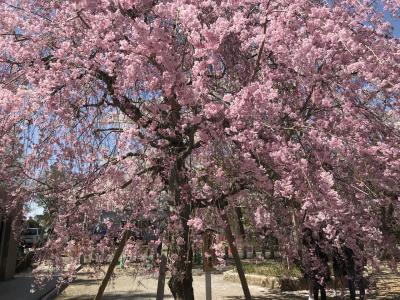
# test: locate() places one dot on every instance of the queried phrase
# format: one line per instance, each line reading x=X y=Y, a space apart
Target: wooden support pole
x=208 y=285
x=236 y=257
x=114 y=262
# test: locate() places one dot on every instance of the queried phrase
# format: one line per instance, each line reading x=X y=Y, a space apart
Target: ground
x=126 y=286
x=19 y=287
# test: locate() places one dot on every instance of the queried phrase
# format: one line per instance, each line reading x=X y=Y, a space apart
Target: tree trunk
x=239 y=215
x=310 y=289
x=226 y=252
x=271 y=242
x=161 y=278
x=197 y=256
x=181 y=282
x=239 y=267
x=8 y=249
x=114 y=262
x=244 y=251
x=254 y=252
x=263 y=252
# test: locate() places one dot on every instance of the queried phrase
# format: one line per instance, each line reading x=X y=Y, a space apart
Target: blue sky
x=395 y=24
x=394 y=21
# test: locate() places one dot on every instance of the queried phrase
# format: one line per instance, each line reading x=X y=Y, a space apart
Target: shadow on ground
x=19 y=287
x=121 y=296
x=390 y=296
x=266 y=297
x=86 y=281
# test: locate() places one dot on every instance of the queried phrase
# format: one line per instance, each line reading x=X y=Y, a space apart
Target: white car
x=32 y=237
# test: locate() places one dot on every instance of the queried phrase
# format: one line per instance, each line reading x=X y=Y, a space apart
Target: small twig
x=83 y=21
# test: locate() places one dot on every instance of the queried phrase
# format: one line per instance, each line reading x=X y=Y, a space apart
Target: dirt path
x=387 y=286
x=127 y=286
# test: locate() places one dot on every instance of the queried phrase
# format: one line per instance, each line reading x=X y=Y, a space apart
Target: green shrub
x=272 y=268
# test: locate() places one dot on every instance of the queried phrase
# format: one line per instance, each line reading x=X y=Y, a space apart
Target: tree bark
x=239 y=267
x=181 y=282
x=114 y=262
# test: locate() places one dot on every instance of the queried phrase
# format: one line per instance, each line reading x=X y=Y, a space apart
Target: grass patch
x=272 y=268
